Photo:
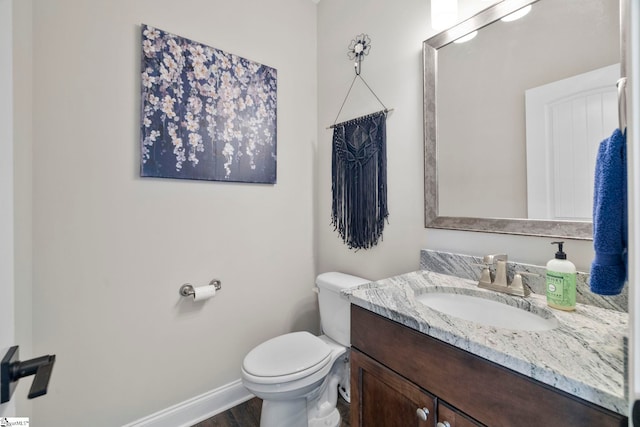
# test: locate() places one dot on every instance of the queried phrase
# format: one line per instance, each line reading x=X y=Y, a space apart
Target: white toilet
x=298 y=375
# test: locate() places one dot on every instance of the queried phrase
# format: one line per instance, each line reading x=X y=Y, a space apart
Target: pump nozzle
x=560 y=254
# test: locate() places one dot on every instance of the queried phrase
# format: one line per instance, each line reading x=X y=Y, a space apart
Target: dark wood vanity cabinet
x=399 y=374
x=450 y=417
x=385 y=399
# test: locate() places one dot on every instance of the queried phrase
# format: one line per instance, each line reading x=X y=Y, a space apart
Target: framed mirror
x=513 y=117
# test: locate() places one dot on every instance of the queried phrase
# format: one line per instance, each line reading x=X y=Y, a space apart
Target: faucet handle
x=517 y=287
x=485 y=275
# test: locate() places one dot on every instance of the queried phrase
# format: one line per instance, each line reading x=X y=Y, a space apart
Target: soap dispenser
x=561 y=281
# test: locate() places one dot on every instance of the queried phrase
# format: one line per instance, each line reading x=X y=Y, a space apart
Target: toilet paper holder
x=187 y=289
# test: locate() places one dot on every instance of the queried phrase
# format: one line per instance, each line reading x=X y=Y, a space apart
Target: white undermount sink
x=487 y=312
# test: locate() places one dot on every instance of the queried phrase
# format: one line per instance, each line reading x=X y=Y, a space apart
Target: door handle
x=11 y=370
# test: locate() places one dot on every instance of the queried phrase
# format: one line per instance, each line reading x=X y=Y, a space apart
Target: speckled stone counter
x=583 y=356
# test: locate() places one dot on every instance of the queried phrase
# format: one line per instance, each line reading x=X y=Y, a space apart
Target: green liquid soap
x=561 y=281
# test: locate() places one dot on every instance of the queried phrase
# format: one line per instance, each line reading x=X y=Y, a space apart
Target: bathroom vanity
x=414 y=365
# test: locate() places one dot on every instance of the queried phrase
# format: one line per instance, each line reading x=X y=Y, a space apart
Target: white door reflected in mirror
x=566 y=120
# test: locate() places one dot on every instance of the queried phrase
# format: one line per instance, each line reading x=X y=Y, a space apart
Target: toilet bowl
x=298 y=375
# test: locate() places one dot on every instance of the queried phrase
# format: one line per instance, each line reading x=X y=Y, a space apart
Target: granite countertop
x=584 y=356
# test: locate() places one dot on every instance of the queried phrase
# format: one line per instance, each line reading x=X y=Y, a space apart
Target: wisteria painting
x=206 y=114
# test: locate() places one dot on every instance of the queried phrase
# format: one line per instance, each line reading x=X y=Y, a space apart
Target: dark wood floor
x=248 y=415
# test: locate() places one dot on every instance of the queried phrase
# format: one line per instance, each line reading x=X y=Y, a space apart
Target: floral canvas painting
x=206 y=114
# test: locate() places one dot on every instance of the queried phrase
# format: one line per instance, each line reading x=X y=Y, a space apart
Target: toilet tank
x=335 y=316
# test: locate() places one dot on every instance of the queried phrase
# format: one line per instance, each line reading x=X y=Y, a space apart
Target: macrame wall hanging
x=359 y=167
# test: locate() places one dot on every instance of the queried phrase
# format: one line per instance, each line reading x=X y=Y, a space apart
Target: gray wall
x=110 y=249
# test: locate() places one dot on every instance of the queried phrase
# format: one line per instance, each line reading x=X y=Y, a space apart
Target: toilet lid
x=286 y=354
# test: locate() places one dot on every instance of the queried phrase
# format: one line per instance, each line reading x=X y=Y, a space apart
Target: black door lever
x=11 y=370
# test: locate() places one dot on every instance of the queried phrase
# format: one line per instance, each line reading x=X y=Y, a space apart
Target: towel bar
x=622 y=103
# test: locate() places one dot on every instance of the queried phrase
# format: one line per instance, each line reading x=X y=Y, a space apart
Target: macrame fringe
x=359 y=180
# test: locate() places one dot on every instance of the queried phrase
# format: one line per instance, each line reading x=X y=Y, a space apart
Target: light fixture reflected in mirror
x=466 y=38
x=444 y=14
x=517 y=14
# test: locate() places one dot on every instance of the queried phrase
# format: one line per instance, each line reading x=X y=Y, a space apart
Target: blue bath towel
x=609 y=268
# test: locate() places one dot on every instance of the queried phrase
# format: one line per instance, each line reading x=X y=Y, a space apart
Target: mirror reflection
x=521 y=108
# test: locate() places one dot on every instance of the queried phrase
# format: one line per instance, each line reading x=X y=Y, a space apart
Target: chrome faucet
x=499 y=282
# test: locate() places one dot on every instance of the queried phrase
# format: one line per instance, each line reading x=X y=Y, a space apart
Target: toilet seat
x=286 y=358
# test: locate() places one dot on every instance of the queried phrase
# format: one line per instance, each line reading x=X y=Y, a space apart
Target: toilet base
x=294 y=414
x=331 y=420
x=291 y=413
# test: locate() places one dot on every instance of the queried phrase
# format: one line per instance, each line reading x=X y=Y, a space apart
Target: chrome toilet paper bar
x=187 y=290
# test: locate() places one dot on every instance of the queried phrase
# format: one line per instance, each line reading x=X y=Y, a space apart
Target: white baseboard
x=198 y=408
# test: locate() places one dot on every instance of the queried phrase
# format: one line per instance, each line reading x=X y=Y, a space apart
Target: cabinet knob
x=423 y=413
x=443 y=424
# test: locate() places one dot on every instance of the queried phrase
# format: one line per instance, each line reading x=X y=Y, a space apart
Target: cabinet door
x=382 y=398
x=449 y=417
